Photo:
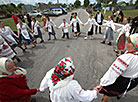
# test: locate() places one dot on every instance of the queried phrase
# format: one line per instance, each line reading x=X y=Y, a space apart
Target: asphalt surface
x=92 y=59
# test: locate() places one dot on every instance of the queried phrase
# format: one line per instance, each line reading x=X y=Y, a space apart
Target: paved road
x=91 y=59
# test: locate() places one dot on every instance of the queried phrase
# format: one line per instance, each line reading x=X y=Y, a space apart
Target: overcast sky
x=46 y=1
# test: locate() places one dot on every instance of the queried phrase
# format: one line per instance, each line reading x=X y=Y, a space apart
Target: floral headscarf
x=63 y=73
x=134 y=40
x=5 y=73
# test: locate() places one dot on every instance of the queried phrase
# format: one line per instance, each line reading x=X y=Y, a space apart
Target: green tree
x=86 y=3
x=136 y=3
x=103 y=1
x=49 y=3
x=77 y=3
x=3 y=9
x=19 y=6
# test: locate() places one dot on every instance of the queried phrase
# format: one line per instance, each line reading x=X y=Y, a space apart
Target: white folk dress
x=35 y=26
x=5 y=49
x=75 y=22
x=25 y=35
x=91 y=22
x=50 y=25
x=64 y=27
x=122 y=75
x=72 y=92
x=7 y=33
x=110 y=27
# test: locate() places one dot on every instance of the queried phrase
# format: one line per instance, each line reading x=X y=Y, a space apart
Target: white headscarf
x=5 y=73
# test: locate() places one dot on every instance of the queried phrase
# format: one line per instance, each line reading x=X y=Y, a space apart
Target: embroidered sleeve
x=116 y=69
x=82 y=95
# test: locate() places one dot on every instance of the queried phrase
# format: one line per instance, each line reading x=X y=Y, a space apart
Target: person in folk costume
x=99 y=19
x=134 y=25
x=64 y=27
x=75 y=21
x=6 y=51
x=110 y=28
x=123 y=34
x=7 y=34
x=13 y=84
x=62 y=86
x=91 y=21
x=71 y=20
x=49 y=26
x=122 y=76
x=36 y=30
x=28 y=20
x=23 y=31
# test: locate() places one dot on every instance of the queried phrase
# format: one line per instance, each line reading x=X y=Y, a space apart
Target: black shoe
x=49 y=39
x=24 y=50
x=118 y=97
x=110 y=43
x=100 y=33
x=41 y=41
x=18 y=60
x=103 y=42
x=34 y=46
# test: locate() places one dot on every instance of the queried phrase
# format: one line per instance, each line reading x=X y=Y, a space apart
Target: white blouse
x=91 y=21
x=74 y=22
x=125 y=65
x=24 y=30
x=49 y=25
x=7 y=33
x=72 y=92
x=109 y=24
x=64 y=27
x=35 y=25
x=124 y=30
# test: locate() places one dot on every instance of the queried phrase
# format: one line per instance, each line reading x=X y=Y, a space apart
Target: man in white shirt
x=99 y=19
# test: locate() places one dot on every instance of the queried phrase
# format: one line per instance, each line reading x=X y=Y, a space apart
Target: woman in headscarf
x=122 y=76
x=62 y=86
x=13 y=85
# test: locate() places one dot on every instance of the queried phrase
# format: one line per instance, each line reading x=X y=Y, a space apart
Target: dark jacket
x=102 y=17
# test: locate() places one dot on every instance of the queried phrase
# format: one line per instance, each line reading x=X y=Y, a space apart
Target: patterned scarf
x=63 y=73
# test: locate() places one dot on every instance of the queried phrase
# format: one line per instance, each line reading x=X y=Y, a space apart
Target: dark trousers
x=97 y=28
x=67 y=34
x=133 y=28
x=90 y=32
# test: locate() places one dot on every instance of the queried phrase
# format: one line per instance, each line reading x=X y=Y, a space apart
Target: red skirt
x=121 y=42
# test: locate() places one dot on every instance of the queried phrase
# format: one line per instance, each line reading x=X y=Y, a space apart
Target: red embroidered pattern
x=118 y=68
x=124 y=63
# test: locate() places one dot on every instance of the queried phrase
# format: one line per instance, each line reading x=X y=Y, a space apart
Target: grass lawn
x=9 y=22
x=127 y=13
